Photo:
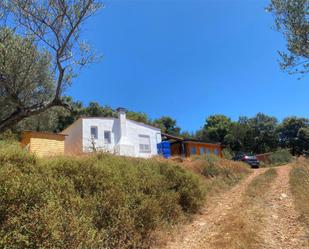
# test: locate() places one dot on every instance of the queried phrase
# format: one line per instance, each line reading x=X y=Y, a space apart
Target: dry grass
x=97 y=201
x=299 y=181
x=240 y=229
x=219 y=174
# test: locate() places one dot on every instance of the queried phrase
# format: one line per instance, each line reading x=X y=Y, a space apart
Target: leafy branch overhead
x=52 y=30
x=292 y=19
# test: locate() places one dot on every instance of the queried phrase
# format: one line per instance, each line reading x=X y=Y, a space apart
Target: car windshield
x=251 y=157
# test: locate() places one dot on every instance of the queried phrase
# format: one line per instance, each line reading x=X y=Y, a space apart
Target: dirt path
x=281 y=228
x=194 y=235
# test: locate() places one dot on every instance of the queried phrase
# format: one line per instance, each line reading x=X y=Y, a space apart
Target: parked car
x=249 y=159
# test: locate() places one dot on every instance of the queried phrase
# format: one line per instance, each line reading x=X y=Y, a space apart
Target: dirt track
x=280 y=225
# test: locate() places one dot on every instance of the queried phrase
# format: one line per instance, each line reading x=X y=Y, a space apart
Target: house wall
x=198 y=146
x=73 y=142
x=43 y=144
x=103 y=124
x=134 y=129
x=176 y=149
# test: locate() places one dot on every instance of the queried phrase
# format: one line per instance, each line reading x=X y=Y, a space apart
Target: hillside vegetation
x=219 y=174
x=99 y=201
x=299 y=180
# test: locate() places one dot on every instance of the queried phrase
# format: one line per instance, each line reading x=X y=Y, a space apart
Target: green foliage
x=40 y=54
x=100 y=201
x=227 y=154
x=26 y=73
x=95 y=110
x=260 y=133
x=291 y=18
x=11 y=153
x=257 y=134
x=282 y=156
x=217 y=127
x=8 y=135
x=167 y=125
x=294 y=134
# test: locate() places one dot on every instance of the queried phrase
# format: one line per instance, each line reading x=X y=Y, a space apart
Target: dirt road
x=278 y=222
x=282 y=226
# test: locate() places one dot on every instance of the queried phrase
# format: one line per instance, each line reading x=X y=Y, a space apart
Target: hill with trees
x=258 y=134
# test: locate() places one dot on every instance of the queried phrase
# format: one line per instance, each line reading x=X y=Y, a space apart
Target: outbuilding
x=43 y=143
x=190 y=147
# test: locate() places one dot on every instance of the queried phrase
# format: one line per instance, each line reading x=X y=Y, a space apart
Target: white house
x=116 y=135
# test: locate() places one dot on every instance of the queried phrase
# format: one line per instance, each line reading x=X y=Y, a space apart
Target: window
x=216 y=152
x=193 y=150
x=207 y=151
x=107 y=137
x=144 y=143
x=94 y=132
x=201 y=151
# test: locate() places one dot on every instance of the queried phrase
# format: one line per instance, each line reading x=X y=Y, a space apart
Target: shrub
x=10 y=152
x=8 y=135
x=227 y=154
x=100 y=201
x=281 y=157
x=299 y=181
x=220 y=173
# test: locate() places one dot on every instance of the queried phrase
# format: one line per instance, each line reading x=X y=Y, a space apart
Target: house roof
x=168 y=136
x=186 y=140
x=143 y=124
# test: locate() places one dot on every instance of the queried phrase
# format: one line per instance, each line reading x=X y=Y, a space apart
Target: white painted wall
x=134 y=129
x=79 y=137
x=103 y=124
x=73 y=143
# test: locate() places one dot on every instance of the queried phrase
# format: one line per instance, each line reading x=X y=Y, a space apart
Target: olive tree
x=45 y=51
x=26 y=82
x=292 y=19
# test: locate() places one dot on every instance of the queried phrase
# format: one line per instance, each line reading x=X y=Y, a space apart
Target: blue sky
x=189 y=59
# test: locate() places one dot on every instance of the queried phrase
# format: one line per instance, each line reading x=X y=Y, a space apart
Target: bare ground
x=282 y=225
x=279 y=226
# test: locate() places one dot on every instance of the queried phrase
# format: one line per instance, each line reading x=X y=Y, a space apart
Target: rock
x=275 y=216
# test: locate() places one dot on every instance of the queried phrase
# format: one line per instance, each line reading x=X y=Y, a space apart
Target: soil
x=281 y=227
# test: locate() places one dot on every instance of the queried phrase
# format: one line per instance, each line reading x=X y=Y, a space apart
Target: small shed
x=189 y=147
x=43 y=143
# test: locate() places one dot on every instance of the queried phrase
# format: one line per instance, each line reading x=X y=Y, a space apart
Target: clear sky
x=189 y=59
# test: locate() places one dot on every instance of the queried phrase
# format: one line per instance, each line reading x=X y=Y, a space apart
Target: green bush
x=8 y=135
x=10 y=152
x=227 y=154
x=102 y=201
x=281 y=157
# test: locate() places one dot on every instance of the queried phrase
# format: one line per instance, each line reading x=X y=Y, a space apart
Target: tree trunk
x=21 y=114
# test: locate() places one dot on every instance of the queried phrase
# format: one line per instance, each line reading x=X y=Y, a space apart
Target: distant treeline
x=258 y=134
